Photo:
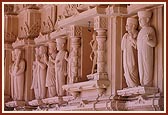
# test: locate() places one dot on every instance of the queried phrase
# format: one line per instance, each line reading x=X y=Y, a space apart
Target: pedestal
x=53 y=100
x=35 y=102
x=15 y=104
x=98 y=76
x=87 y=89
x=140 y=90
x=141 y=99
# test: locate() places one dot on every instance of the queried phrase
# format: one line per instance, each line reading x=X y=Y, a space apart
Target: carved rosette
x=100 y=25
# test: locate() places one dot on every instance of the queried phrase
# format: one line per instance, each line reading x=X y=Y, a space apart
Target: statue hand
x=148 y=37
x=66 y=56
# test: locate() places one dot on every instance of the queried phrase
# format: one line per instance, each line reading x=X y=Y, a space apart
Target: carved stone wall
x=29 y=23
x=48 y=18
x=71 y=28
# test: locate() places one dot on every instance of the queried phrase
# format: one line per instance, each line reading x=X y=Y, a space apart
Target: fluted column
x=7 y=64
x=101 y=27
x=75 y=37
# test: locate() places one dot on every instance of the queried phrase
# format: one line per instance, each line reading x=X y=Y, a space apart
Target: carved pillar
x=10 y=33
x=75 y=37
x=29 y=58
x=7 y=63
x=100 y=25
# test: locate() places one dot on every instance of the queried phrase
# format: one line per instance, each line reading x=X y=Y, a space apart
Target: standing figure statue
x=93 y=55
x=146 y=41
x=35 y=74
x=42 y=70
x=60 y=66
x=18 y=75
x=129 y=48
x=50 y=78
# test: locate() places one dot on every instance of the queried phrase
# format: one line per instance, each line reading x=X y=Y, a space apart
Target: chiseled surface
x=84 y=57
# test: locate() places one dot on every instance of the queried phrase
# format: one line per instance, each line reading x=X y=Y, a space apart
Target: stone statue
x=42 y=70
x=50 y=78
x=11 y=68
x=128 y=46
x=72 y=66
x=93 y=55
x=60 y=66
x=18 y=71
x=146 y=41
x=35 y=74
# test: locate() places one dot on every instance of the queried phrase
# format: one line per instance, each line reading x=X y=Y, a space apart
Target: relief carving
x=10 y=37
x=100 y=23
x=35 y=74
x=146 y=41
x=50 y=78
x=93 y=55
x=42 y=70
x=69 y=10
x=60 y=66
x=30 y=31
x=129 y=48
x=17 y=71
x=76 y=31
x=72 y=66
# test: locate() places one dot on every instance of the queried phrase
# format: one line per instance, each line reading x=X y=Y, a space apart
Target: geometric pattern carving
x=75 y=31
x=100 y=22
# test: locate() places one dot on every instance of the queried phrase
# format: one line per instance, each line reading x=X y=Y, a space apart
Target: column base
x=88 y=88
x=140 y=90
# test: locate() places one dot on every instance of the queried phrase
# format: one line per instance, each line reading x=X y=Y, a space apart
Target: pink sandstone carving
x=17 y=75
x=146 y=41
x=35 y=74
x=42 y=70
x=50 y=78
x=129 y=48
x=60 y=66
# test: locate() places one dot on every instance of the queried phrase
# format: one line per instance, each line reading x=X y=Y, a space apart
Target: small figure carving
x=18 y=70
x=50 y=78
x=35 y=74
x=128 y=46
x=146 y=41
x=93 y=55
x=42 y=70
x=60 y=66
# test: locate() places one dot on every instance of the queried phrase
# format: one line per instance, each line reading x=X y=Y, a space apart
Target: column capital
x=100 y=23
x=75 y=31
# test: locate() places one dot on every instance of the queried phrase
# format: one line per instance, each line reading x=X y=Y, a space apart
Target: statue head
x=51 y=47
x=60 y=43
x=42 y=50
x=17 y=54
x=131 y=24
x=144 y=18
